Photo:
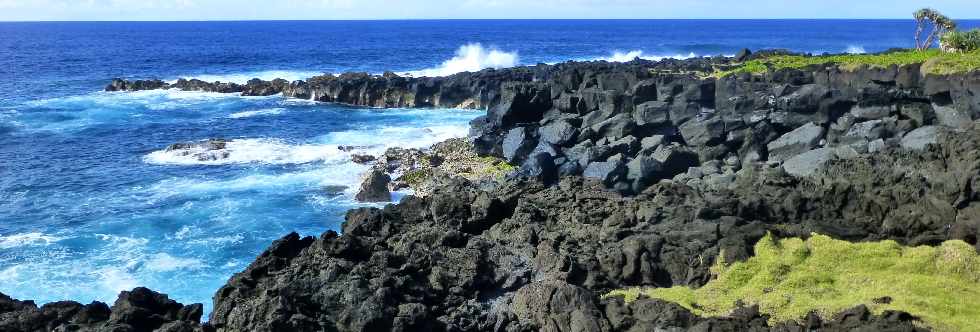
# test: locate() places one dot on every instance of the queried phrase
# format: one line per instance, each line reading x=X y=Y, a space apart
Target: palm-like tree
x=940 y=25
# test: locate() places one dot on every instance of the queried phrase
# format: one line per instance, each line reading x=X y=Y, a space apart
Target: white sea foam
x=855 y=49
x=471 y=57
x=116 y=279
x=620 y=56
x=27 y=239
x=163 y=262
x=254 y=113
x=242 y=78
x=245 y=151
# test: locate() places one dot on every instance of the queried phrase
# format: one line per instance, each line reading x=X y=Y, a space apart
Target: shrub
x=961 y=41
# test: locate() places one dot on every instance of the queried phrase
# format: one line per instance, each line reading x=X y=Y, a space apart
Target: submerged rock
x=209 y=150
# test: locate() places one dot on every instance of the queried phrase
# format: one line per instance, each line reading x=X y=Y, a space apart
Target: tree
x=939 y=22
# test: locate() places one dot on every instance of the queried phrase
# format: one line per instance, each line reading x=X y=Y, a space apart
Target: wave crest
x=855 y=49
x=620 y=56
x=471 y=57
x=244 y=151
x=27 y=239
x=261 y=112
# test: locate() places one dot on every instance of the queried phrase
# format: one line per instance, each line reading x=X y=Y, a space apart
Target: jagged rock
x=644 y=91
x=374 y=188
x=559 y=132
x=615 y=127
x=609 y=172
x=952 y=117
x=469 y=257
x=652 y=113
x=363 y=158
x=920 y=138
x=800 y=140
x=518 y=143
x=642 y=172
x=540 y=166
x=649 y=144
x=674 y=159
x=209 y=150
x=703 y=131
x=520 y=103
x=742 y=55
x=138 y=310
x=805 y=164
x=557 y=306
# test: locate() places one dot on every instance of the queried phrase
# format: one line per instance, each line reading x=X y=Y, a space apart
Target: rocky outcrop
x=208 y=150
x=700 y=166
x=520 y=255
x=374 y=188
x=138 y=310
x=589 y=113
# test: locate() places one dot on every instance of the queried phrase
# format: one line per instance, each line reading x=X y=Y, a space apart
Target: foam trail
x=854 y=49
x=261 y=112
x=471 y=57
x=245 y=151
x=27 y=239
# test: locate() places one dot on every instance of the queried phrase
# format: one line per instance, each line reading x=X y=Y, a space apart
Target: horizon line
x=471 y=19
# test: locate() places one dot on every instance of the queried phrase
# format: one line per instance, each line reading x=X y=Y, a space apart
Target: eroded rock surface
x=520 y=255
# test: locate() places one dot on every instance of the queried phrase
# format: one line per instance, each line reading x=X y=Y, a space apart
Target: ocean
x=92 y=204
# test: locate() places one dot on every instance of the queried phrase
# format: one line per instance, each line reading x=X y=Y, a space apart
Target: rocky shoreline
x=628 y=174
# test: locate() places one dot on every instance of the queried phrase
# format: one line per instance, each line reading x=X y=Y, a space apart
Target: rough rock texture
x=688 y=157
x=374 y=188
x=586 y=112
x=521 y=256
x=138 y=310
x=207 y=150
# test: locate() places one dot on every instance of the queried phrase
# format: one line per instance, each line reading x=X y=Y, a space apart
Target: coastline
x=685 y=183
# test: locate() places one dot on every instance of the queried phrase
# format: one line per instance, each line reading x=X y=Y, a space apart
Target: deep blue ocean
x=91 y=204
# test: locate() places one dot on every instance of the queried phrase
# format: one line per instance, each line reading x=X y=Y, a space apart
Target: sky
x=179 y=10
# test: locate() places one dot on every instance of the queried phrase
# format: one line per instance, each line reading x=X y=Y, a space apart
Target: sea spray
x=471 y=57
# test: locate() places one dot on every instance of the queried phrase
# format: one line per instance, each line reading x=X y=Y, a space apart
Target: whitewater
x=92 y=203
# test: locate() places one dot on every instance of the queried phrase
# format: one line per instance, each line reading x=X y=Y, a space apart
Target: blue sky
x=89 y=10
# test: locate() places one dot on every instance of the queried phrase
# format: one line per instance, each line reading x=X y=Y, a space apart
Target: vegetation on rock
x=933 y=61
x=961 y=41
x=792 y=277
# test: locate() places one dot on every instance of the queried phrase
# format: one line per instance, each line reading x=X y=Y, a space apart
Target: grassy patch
x=935 y=62
x=495 y=167
x=791 y=277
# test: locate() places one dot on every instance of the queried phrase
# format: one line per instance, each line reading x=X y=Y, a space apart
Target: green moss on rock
x=934 y=62
x=792 y=277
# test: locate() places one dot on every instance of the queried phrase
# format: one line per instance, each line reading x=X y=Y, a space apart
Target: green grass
x=497 y=167
x=935 y=62
x=792 y=277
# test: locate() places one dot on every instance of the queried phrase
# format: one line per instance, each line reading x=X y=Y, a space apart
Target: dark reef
x=630 y=174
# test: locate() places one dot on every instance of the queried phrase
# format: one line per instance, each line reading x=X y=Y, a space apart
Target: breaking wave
x=262 y=112
x=854 y=49
x=244 y=151
x=619 y=56
x=471 y=57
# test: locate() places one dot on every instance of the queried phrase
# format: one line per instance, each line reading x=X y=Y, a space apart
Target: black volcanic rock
x=521 y=255
x=138 y=310
x=374 y=188
x=708 y=164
